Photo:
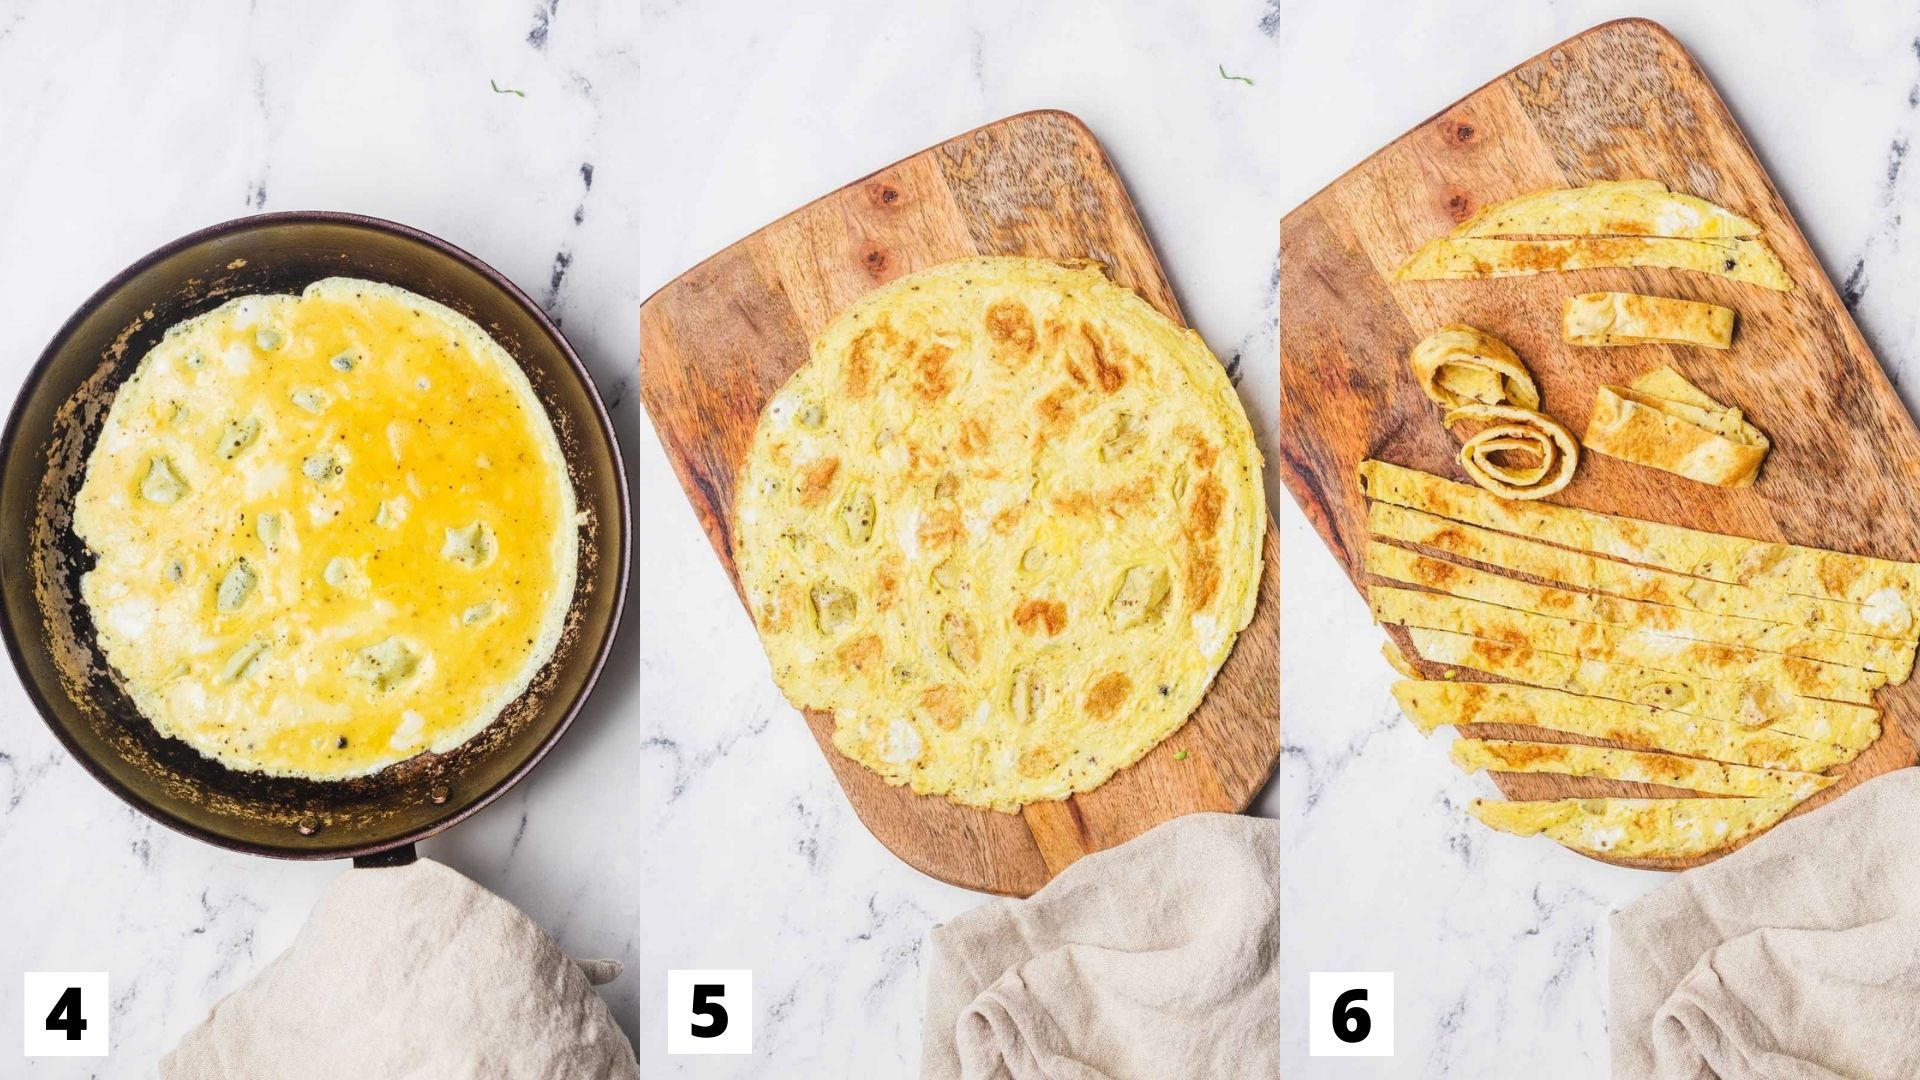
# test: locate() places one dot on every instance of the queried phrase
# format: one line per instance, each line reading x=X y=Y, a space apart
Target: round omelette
x=1004 y=525
x=332 y=531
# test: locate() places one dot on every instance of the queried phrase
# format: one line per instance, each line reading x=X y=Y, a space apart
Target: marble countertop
x=768 y=866
x=1500 y=944
x=124 y=132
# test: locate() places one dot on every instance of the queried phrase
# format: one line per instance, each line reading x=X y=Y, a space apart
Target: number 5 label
x=65 y=1013
x=1350 y=1014
x=710 y=1011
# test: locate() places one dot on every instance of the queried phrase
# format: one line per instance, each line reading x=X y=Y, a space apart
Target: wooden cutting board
x=719 y=340
x=1621 y=100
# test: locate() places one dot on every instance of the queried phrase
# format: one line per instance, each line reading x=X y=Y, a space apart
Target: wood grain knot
x=1458 y=203
x=883 y=195
x=874 y=258
x=1461 y=132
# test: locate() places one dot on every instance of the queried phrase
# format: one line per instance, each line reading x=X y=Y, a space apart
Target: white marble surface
x=1500 y=944
x=772 y=106
x=127 y=125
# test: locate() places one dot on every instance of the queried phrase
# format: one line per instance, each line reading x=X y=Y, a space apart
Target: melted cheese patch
x=332 y=531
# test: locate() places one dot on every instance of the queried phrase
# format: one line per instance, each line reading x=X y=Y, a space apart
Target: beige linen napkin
x=1156 y=959
x=412 y=972
x=1796 y=957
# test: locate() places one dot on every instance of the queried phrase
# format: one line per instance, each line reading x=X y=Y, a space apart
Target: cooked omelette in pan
x=332 y=531
x=1004 y=525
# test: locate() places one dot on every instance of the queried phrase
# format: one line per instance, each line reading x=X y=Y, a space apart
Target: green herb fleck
x=1234 y=78
x=498 y=89
x=1181 y=756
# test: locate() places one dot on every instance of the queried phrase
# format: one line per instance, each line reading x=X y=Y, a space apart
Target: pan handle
x=403 y=855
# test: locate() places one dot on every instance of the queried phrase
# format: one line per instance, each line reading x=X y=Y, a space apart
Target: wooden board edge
x=1639 y=21
x=835 y=191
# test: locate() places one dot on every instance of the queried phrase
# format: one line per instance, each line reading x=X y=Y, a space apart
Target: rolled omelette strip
x=1887 y=590
x=1597 y=573
x=1664 y=422
x=1605 y=319
x=1474 y=257
x=1547 y=448
x=1754 y=703
x=1435 y=703
x=1638 y=207
x=1639 y=766
x=1637 y=828
x=1891 y=658
x=1615 y=644
x=1457 y=365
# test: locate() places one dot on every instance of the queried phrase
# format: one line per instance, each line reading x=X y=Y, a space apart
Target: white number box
x=709 y=1011
x=1350 y=1014
x=65 y=1013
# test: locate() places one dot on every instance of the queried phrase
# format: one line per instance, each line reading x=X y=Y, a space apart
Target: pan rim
x=596 y=663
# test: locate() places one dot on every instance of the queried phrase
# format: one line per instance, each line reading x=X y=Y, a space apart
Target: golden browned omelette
x=332 y=531
x=1005 y=525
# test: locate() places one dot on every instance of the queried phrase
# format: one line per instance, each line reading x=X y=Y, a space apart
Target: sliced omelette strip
x=1637 y=828
x=1583 y=571
x=1886 y=589
x=1637 y=207
x=1520 y=453
x=1754 y=703
x=1477 y=257
x=1639 y=766
x=1458 y=364
x=1611 y=319
x=1665 y=422
x=1597 y=641
x=1397 y=660
x=1891 y=658
x=1435 y=703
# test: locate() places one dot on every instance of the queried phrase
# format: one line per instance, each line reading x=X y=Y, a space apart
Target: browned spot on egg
x=861 y=655
x=1056 y=411
x=941 y=528
x=946 y=706
x=1203 y=562
x=1038 y=762
x=1105 y=696
x=1434 y=572
x=861 y=361
x=816 y=480
x=975 y=437
x=1050 y=615
x=932 y=377
x=1010 y=330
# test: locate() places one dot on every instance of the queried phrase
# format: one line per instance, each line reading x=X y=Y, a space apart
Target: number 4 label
x=710 y=1011
x=1350 y=1014
x=65 y=1013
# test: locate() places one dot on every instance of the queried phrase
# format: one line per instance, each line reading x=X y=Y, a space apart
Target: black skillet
x=375 y=820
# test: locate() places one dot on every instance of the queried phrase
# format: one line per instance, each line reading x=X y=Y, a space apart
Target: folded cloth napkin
x=1155 y=959
x=412 y=972
x=1796 y=957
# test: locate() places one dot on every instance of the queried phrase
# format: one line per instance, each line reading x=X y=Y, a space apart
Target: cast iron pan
x=375 y=819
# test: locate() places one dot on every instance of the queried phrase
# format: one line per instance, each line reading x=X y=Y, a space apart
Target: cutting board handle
x=404 y=855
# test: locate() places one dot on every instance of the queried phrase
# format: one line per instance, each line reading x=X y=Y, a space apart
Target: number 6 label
x=709 y=1011
x=1350 y=1014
